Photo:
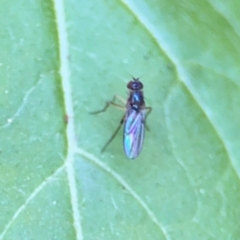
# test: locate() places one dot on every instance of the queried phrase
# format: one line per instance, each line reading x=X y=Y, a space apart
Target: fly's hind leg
x=148 y=110
x=113 y=135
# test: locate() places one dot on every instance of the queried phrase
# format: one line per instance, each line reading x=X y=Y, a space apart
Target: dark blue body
x=134 y=120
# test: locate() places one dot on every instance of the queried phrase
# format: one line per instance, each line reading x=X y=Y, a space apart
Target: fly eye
x=135 y=85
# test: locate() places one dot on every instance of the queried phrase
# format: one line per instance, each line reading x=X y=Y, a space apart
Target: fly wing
x=133 y=133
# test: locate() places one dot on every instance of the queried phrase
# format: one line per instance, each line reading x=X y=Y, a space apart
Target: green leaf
x=61 y=60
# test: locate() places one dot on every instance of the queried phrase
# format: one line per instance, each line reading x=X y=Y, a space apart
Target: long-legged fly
x=134 y=119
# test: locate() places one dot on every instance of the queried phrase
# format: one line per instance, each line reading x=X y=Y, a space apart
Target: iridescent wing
x=133 y=134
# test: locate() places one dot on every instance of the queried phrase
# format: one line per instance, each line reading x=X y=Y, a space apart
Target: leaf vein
x=29 y=199
x=67 y=96
x=223 y=16
x=119 y=179
x=10 y=120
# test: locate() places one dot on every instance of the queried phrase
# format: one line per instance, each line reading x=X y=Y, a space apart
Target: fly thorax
x=136 y=98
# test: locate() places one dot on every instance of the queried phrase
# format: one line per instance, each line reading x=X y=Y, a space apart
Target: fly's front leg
x=111 y=103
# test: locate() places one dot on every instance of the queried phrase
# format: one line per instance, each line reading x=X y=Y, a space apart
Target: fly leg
x=114 y=134
x=148 y=110
x=111 y=103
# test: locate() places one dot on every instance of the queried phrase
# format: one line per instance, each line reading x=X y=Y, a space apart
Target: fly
x=134 y=119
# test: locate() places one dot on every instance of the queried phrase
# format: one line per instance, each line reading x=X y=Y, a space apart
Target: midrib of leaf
x=67 y=96
x=181 y=77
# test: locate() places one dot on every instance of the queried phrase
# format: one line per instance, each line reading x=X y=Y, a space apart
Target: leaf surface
x=61 y=60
